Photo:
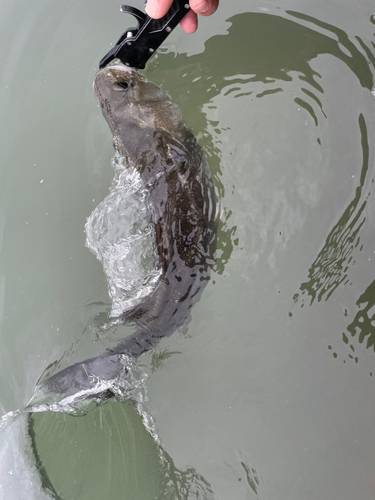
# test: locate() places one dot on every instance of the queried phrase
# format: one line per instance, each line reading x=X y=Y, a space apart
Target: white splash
x=119 y=235
x=128 y=387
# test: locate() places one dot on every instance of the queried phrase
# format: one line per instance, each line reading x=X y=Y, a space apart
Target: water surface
x=269 y=393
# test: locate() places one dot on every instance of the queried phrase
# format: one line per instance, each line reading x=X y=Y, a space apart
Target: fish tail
x=99 y=374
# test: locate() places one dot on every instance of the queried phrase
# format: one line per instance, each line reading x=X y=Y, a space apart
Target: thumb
x=204 y=7
x=157 y=8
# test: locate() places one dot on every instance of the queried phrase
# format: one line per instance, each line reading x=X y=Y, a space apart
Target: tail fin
x=97 y=378
x=90 y=375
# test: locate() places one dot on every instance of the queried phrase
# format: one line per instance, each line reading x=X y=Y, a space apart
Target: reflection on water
x=338 y=44
x=363 y=324
x=121 y=447
x=252 y=477
x=330 y=268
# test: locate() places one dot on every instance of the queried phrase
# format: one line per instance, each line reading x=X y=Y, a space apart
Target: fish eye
x=124 y=85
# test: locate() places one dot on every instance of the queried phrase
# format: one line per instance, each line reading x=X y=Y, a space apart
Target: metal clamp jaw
x=137 y=45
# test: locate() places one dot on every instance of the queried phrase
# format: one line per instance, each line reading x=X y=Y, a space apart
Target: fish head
x=131 y=104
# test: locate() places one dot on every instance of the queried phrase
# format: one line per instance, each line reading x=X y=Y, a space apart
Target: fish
x=150 y=135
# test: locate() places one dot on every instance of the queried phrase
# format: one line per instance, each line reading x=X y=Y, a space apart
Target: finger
x=157 y=8
x=204 y=7
x=189 y=23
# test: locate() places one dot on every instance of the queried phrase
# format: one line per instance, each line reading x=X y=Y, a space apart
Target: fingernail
x=152 y=8
x=202 y=7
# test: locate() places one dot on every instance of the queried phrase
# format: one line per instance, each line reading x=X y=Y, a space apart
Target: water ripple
x=330 y=268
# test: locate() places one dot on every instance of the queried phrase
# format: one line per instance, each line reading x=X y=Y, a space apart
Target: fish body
x=150 y=135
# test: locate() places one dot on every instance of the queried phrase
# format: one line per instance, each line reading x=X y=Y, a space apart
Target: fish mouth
x=110 y=67
x=116 y=66
x=120 y=66
x=114 y=71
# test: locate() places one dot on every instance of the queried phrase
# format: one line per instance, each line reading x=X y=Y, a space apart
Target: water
x=269 y=394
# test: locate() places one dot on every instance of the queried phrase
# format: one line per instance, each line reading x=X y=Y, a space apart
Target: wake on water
x=120 y=236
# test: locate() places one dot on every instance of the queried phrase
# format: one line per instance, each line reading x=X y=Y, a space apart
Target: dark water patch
x=43 y=474
x=316 y=99
x=352 y=57
x=106 y=452
x=361 y=329
x=251 y=477
x=308 y=108
x=266 y=92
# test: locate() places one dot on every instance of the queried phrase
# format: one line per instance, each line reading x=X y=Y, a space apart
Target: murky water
x=270 y=393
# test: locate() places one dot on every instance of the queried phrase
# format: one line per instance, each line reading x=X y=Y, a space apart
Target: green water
x=270 y=393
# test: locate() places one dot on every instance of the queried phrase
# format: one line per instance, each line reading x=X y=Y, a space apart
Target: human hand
x=158 y=8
